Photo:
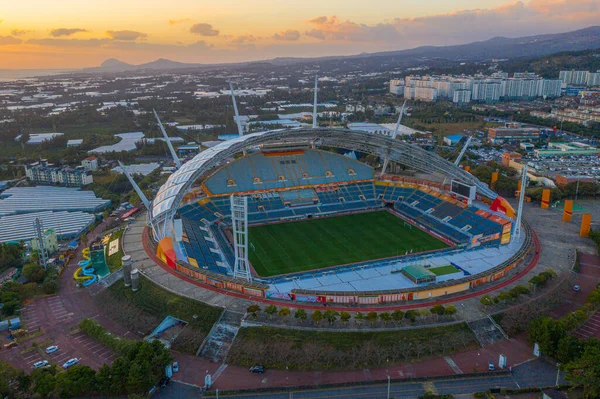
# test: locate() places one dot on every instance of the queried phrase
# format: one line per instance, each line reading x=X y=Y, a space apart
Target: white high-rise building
x=593 y=78
x=397 y=87
x=486 y=92
x=550 y=88
x=461 y=96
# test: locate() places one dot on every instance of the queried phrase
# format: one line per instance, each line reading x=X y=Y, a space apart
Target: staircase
x=220 y=338
x=486 y=331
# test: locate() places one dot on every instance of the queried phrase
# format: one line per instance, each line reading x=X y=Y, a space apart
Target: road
x=535 y=373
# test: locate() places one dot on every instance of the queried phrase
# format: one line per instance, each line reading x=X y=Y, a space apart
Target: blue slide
x=88 y=272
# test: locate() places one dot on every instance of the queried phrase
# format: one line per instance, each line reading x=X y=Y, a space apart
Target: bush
x=486 y=300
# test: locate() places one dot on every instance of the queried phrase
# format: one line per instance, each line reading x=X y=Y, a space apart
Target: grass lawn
x=318 y=243
x=443 y=270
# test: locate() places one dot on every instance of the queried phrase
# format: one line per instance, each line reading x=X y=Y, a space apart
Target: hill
x=495 y=48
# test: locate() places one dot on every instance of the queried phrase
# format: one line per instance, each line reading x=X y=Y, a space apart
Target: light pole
x=388 y=395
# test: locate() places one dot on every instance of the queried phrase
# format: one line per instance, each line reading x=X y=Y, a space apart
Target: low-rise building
x=507 y=157
x=90 y=163
x=562 y=180
x=50 y=242
x=43 y=172
x=512 y=131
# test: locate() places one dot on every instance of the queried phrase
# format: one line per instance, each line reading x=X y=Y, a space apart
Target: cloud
x=20 y=32
x=66 y=31
x=8 y=40
x=178 y=21
x=204 y=29
x=69 y=42
x=243 y=41
x=125 y=34
x=289 y=35
x=510 y=19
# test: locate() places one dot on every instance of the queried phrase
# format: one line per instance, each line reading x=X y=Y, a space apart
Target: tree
x=345 y=317
x=411 y=315
x=84 y=239
x=486 y=300
x=301 y=314
x=284 y=313
x=585 y=370
x=33 y=272
x=450 y=310
x=359 y=317
x=253 y=310
x=331 y=316
x=316 y=316
x=437 y=310
x=76 y=381
x=271 y=310
x=397 y=315
x=372 y=318
x=385 y=317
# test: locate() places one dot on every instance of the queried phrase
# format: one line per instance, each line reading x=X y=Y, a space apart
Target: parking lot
x=54 y=321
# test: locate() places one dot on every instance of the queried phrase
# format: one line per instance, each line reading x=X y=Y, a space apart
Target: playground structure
x=93 y=266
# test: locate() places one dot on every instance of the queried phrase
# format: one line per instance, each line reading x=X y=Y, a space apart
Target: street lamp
x=388 y=395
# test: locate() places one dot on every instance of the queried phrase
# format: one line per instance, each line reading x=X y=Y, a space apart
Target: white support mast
x=239 y=220
x=169 y=144
x=517 y=224
x=394 y=135
x=42 y=252
x=463 y=151
x=315 y=124
x=137 y=188
x=236 y=118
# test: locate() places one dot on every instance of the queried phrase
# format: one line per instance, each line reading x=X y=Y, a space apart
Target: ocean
x=8 y=75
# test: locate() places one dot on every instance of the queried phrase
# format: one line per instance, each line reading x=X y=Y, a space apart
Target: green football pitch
x=283 y=248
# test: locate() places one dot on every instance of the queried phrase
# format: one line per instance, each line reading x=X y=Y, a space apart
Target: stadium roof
x=418 y=272
x=47 y=198
x=166 y=202
x=65 y=224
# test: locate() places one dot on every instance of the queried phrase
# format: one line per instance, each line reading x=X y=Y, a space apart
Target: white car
x=40 y=364
x=51 y=349
x=70 y=362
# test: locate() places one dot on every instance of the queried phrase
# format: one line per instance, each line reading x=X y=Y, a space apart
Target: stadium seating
x=198 y=248
x=260 y=172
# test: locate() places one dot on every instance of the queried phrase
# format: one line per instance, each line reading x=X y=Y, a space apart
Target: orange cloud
x=125 y=34
x=204 y=29
x=66 y=31
x=20 y=32
x=8 y=40
x=178 y=21
x=287 y=35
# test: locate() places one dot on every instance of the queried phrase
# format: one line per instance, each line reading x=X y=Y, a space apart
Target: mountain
x=495 y=48
x=114 y=65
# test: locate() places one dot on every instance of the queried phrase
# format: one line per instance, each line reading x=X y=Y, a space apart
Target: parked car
x=257 y=369
x=70 y=362
x=175 y=367
x=576 y=288
x=164 y=381
x=491 y=367
x=40 y=364
x=51 y=349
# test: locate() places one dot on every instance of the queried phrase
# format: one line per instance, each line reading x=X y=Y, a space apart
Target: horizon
x=234 y=31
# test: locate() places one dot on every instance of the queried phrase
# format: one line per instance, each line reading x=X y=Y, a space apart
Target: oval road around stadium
x=530 y=266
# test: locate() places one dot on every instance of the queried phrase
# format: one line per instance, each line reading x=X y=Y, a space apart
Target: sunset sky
x=44 y=34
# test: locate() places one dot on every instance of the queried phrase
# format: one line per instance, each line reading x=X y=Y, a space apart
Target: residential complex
x=477 y=88
x=43 y=172
x=580 y=78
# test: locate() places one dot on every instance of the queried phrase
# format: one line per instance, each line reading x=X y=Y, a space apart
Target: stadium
x=291 y=215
